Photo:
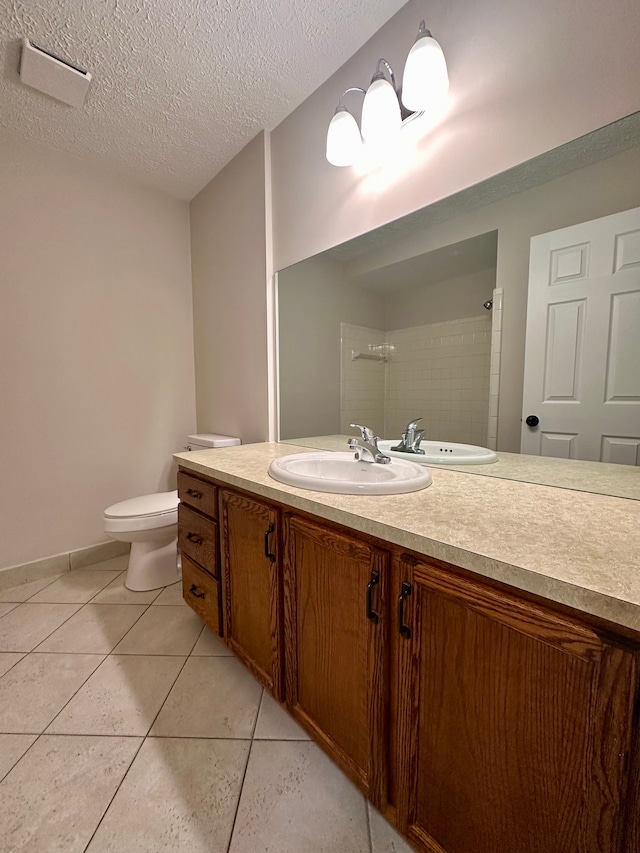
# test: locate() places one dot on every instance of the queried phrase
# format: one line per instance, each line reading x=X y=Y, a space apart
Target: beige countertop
x=571 y=547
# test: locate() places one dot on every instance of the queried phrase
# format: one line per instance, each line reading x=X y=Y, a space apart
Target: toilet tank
x=207 y=440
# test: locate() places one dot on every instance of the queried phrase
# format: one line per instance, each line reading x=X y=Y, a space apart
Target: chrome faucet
x=411 y=438
x=366 y=447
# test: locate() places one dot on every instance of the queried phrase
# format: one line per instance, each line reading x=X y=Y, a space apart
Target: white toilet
x=150 y=523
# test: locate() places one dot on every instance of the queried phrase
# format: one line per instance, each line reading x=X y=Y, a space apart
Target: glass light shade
x=344 y=142
x=380 y=111
x=425 y=81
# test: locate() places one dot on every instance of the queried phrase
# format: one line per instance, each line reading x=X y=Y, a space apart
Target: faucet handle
x=417 y=439
x=412 y=424
x=366 y=432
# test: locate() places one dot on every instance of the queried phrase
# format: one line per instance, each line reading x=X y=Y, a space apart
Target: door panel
x=336 y=666
x=252 y=586
x=516 y=722
x=582 y=358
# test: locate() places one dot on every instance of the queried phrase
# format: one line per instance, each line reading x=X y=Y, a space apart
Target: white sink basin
x=342 y=474
x=442 y=453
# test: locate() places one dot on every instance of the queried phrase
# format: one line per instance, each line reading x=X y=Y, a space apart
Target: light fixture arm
x=346 y=92
x=423 y=31
x=379 y=73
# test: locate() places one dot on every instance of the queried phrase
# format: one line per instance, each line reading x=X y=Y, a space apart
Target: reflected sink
x=442 y=453
x=342 y=474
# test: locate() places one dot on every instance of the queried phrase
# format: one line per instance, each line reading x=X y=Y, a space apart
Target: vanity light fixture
x=425 y=84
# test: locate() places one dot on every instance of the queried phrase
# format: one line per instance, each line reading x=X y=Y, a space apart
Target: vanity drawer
x=197 y=538
x=202 y=594
x=198 y=493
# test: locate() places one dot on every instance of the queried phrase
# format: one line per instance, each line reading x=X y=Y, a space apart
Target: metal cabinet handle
x=195 y=538
x=373 y=581
x=194 y=494
x=405 y=592
x=267 y=552
x=194 y=591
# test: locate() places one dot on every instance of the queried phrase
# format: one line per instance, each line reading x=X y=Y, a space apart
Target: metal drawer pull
x=194 y=591
x=194 y=494
x=193 y=537
x=267 y=552
x=371 y=613
x=406 y=591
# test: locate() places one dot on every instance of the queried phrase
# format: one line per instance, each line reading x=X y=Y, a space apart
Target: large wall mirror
x=427 y=317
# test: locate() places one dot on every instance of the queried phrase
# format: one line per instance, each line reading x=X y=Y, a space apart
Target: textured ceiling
x=179 y=86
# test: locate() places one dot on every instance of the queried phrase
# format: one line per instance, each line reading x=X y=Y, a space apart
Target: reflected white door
x=582 y=358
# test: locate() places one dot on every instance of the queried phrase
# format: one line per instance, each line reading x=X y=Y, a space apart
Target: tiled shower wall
x=439 y=372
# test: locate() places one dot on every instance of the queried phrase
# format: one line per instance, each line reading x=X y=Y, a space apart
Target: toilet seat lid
x=144 y=506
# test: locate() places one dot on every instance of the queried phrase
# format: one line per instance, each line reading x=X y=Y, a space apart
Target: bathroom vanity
x=468 y=654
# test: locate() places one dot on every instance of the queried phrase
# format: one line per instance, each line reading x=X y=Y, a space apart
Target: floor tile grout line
x=160 y=737
x=173 y=684
x=54 y=579
x=24 y=654
x=144 y=737
x=123 y=572
x=95 y=669
x=85 y=653
x=368 y=816
x=244 y=775
x=143 y=740
x=126 y=773
x=152 y=654
x=30 y=601
x=40 y=642
x=130 y=628
x=153 y=737
x=37 y=738
x=57 y=577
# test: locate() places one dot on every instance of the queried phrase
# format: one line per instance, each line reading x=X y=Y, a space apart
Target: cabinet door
x=515 y=723
x=252 y=586
x=335 y=628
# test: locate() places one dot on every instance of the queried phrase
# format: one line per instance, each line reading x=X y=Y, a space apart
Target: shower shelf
x=368 y=356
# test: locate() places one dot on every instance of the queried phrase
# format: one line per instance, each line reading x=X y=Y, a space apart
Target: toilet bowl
x=150 y=524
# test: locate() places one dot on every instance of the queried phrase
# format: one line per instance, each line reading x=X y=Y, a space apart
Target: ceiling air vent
x=55 y=77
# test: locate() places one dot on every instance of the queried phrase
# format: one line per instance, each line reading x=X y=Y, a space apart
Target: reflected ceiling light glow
x=387 y=108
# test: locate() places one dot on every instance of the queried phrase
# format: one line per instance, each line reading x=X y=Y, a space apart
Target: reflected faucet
x=411 y=438
x=366 y=447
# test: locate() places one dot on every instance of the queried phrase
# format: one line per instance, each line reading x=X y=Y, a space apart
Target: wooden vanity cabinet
x=336 y=627
x=252 y=582
x=515 y=723
x=477 y=718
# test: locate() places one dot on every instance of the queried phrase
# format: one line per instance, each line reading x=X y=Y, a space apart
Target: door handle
x=373 y=581
x=194 y=591
x=195 y=538
x=405 y=592
x=194 y=494
x=267 y=552
x=532 y=420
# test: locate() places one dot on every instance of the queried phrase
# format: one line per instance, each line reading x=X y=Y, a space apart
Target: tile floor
x=127 y=727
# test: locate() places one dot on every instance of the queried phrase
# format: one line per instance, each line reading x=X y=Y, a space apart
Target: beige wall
x=229 y=260
x=313 y=299
x=96 y=348
x=525 y=78
x=444 y=301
